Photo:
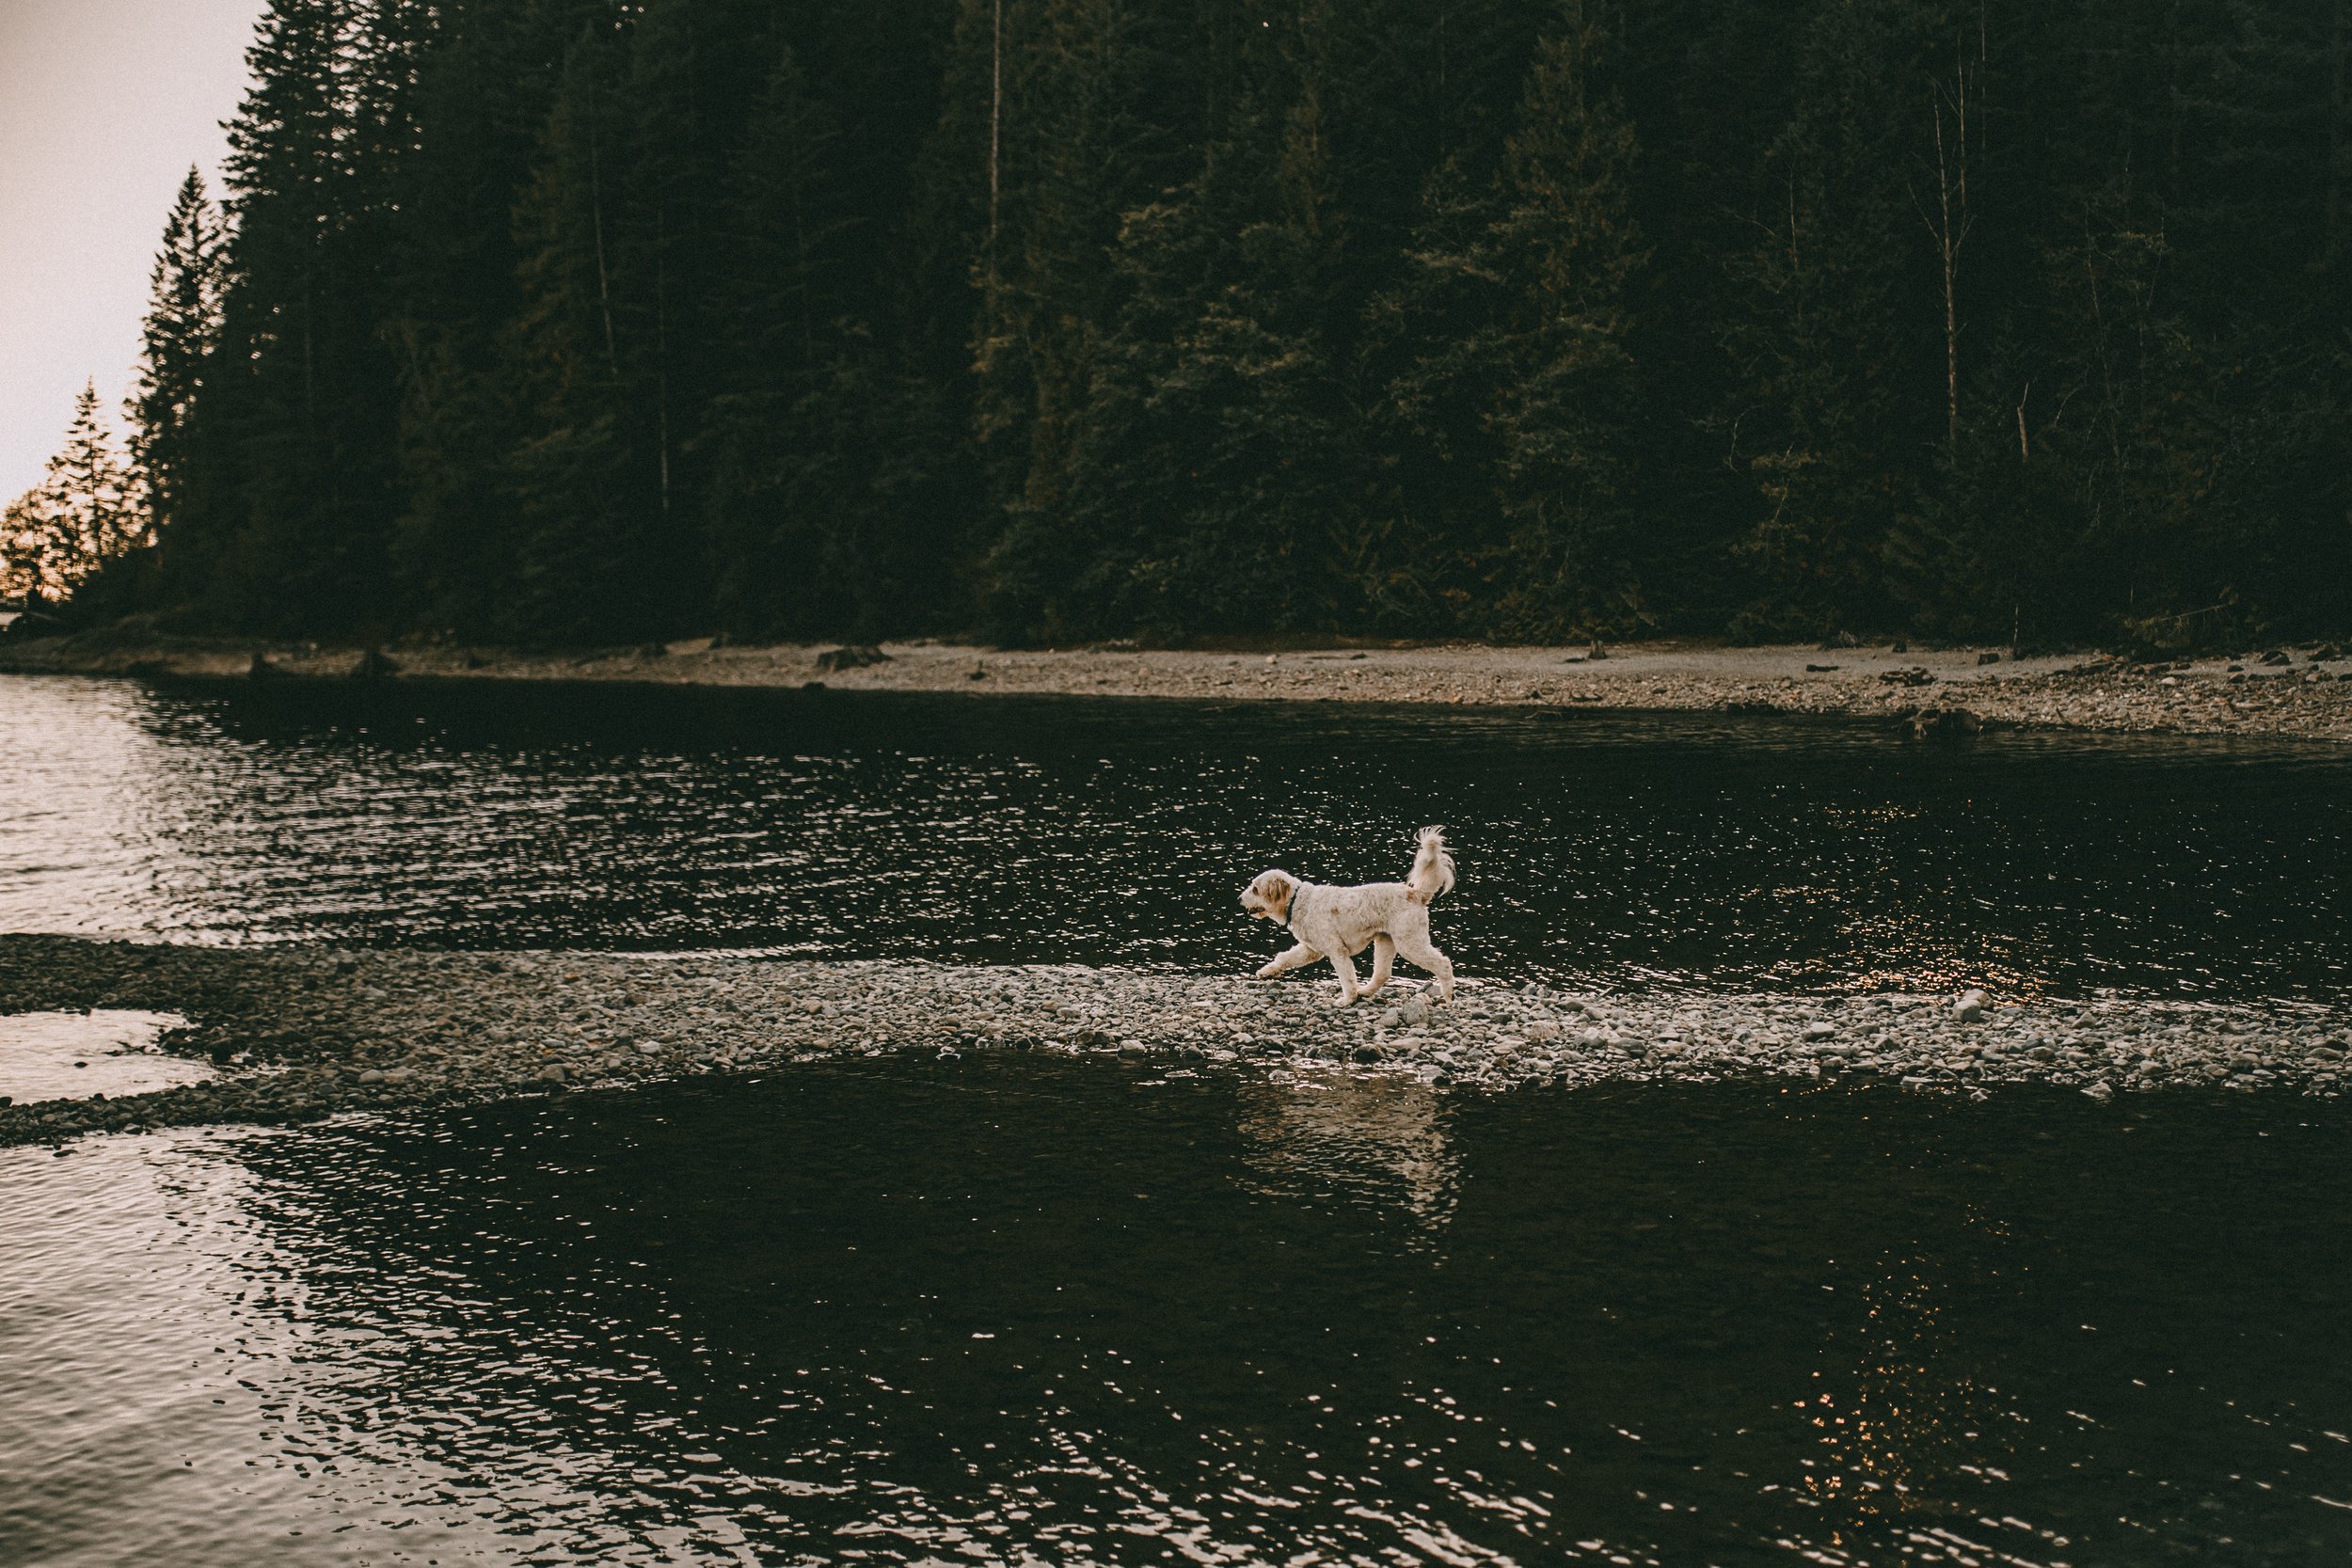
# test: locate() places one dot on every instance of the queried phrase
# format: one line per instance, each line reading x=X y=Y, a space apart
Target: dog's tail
x=1432 y=869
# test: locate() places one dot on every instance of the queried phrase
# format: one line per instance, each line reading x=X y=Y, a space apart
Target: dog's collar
x=1290 y=922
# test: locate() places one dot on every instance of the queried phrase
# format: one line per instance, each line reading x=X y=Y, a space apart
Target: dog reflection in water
x=1337 y=923
x=1379 y=1137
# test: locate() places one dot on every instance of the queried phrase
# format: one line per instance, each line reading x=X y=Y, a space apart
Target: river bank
x=296 y=1034
x=2299 y=693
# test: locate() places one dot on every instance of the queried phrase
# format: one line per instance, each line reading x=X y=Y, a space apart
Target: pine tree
x=181 y=338
x=1834 y=398
x=1568 y=248
x=787 y=493
x=483 y=96
x=301 y=428
x=600 y=319
x=1437 y=345
x=88 y=510
x=587 y=476
x=1506 y=375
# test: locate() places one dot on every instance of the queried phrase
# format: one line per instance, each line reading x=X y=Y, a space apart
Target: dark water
x=1746 y=853
x=1028 y=1311
x=1019 y=1311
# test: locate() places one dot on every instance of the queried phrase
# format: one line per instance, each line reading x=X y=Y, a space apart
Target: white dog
x=1337 y=923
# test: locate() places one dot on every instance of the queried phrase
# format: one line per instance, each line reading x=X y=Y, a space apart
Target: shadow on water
x=1756 y=852
x=1020 y=1310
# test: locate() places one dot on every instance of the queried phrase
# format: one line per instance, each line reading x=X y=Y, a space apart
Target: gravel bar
x=300 y=1033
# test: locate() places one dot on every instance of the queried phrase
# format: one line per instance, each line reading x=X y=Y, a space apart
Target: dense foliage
x=88 y=510
x=595 y=320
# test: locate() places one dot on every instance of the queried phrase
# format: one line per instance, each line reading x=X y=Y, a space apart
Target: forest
x=550 y=321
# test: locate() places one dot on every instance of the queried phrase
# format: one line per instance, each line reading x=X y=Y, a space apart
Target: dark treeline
x=578 y=320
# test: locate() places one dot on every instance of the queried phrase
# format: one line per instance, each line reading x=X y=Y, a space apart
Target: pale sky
x=103 y=105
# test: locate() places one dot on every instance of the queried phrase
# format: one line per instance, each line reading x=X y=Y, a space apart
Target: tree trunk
x=1950 y=230
x=2338 y=37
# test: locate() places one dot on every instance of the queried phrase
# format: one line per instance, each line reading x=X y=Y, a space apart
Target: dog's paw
x=1268 y=973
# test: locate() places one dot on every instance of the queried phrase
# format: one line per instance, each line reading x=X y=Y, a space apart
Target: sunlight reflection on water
x=1628 y=851
x=73 y=1055
x=1026 y=1311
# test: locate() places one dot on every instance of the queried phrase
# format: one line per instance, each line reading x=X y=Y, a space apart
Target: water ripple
x=1627 y=851
x=1028 y=1312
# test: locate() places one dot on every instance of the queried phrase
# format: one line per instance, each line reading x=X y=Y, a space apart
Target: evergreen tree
x=1831 y=394
x=181 y=338
x=1438 y=346
x=483 y=95
x=587 y=475
x=299 y=427
x=1509 y=381
x=590 y=319
x=1567 y=242
x=88 y=510
x=789 y=474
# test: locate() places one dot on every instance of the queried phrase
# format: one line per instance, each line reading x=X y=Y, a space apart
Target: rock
x=1968 y=1007
x=854 y=656
x=552 y=1073
x=1945 y=723
x=373 y=1075
x=1542 y=1029
x=1988 y=656
x=1820 y=1030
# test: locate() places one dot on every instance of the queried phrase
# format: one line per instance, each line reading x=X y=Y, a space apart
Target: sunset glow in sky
x=103 y=105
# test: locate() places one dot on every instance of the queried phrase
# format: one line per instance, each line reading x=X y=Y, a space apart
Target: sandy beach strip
x=2303 y=692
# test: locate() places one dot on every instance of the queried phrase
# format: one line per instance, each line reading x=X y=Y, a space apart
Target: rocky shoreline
x=299 y=1034
x=2303 y=692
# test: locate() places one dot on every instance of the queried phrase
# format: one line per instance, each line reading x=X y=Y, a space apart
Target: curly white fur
x=1337 y=923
